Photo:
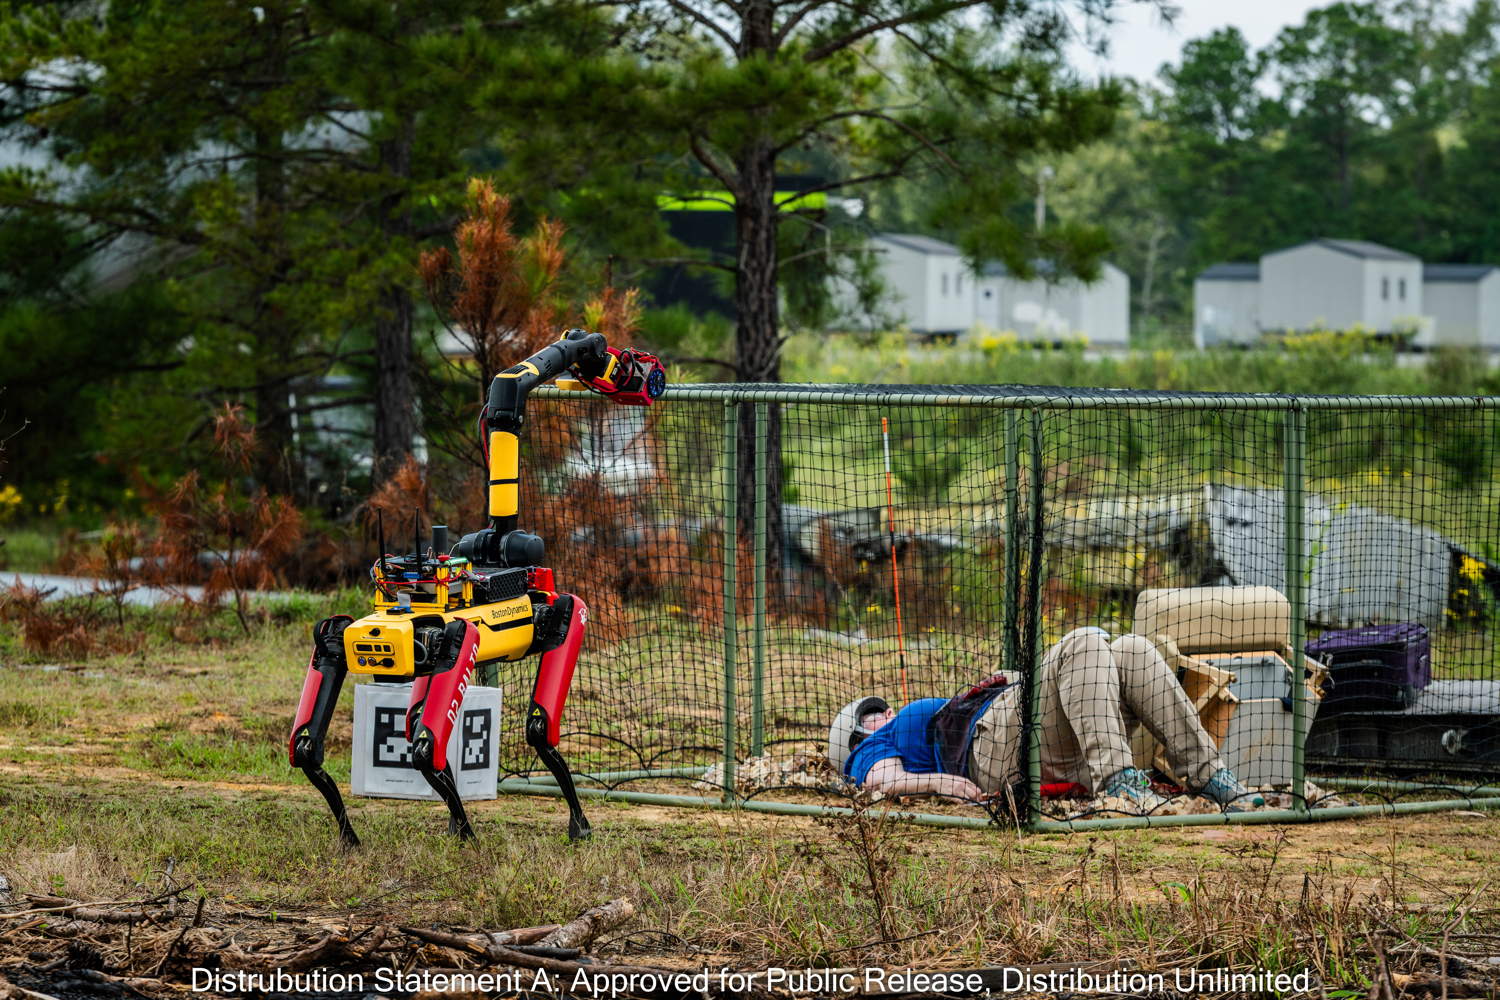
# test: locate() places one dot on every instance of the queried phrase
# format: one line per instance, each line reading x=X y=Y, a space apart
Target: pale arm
x=891 y=778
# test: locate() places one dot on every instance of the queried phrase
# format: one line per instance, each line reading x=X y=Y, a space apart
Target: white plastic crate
x=1258 y=745
x=382 y=757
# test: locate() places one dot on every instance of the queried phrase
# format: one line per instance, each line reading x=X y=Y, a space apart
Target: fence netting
x=1110 y=603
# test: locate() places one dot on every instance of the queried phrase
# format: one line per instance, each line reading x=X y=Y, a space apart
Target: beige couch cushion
x=1216 y=619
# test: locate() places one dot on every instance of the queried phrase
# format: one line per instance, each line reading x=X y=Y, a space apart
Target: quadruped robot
x=439 y=614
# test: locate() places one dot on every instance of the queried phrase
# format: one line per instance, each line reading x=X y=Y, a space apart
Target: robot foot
x=442 y=783
x=578 y=824
x=330 y=789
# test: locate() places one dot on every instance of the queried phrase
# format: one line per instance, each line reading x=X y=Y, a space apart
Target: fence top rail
x=1041 y=397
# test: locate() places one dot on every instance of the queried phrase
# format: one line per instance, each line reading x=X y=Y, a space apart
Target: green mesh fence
x=1200 y=607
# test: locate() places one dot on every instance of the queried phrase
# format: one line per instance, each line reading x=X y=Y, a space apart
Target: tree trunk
x=1148 y=275
x=395 y=417
x=757 y=332
x=395 y=414
x=275 y=451
x=276 y=466
x=758 y=342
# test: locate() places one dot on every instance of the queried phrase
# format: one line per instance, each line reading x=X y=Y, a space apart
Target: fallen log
x=289 y=961
x=87 y=911
x=566 y=954
x=13 y=992
x=501 y=955
x=364 y=944
x=474 y=944
x=521 y=935
x=590 y=924
x=1430 y=984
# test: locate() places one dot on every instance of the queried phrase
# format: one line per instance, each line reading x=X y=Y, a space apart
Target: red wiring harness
x=484 y=439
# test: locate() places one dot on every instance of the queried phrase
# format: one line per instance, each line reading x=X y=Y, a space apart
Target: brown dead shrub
x=504 y=297
x=71 y=629
x=211 y=533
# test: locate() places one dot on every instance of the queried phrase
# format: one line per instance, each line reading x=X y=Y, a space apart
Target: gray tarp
x=1359 y=564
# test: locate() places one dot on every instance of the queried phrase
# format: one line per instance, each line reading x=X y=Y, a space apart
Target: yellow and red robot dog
x=439 y=614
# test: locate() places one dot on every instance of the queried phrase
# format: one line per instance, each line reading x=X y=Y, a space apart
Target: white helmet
x=847 y=733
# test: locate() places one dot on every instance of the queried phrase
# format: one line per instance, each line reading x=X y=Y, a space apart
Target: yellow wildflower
x=10 y=499
x=1470 y=569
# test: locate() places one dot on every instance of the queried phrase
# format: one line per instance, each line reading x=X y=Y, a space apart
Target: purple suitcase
x=1377 y=668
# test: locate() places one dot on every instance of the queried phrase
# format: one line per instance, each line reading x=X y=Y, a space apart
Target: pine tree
x=282 y=163
x=867 y=91
x=167 y=125
x=871 y=90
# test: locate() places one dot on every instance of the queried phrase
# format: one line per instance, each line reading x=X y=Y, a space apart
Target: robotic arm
x=633 y=378
x=438 y=616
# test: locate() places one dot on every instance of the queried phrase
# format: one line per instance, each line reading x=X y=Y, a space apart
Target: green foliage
x=1369 y=120
x=74 y=373
x=278 y=165
x=789 y=492
x=228 y=201
x=928 y=455
x=678 y=332
x=1467 y=454
x=855 y=93
x=1319 y=361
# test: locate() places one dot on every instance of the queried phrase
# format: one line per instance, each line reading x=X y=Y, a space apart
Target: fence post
x=1031 y=725
x=1297 y=566
x=731 y=553
x=757 y=693
x=1011 y=607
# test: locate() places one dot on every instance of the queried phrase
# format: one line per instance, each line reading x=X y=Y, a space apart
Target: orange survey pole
x=890 y=508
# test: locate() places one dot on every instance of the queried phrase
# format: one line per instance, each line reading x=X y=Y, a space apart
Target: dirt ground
x=716 y=889
x=155 y=794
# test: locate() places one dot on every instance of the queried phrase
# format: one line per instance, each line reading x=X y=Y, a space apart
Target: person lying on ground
x=1093 y=694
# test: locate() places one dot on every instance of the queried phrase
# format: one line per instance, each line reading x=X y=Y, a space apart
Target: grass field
x=166 y=765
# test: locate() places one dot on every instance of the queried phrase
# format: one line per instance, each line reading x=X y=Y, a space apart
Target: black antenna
x=380 y=539
x=416 y=538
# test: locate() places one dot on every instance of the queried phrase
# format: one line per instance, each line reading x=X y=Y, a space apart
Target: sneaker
x=1133 y=785
x=1227 y=790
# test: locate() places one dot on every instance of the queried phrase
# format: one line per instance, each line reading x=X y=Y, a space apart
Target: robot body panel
x=555 y=676
x=443 y=697
x=386 y=643
x=381 y=644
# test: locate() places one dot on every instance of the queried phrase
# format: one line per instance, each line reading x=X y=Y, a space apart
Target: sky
x=1139 y=43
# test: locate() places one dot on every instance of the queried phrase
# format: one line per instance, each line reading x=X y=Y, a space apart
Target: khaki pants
x=1094 y=693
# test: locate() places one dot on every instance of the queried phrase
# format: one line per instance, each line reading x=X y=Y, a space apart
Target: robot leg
x=444 y=695
x=543 y=722
x=320 y=693
x=419 y=686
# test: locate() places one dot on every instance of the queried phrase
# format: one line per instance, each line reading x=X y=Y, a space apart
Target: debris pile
x=51 y=947
x=812 y=771
x=759 y=774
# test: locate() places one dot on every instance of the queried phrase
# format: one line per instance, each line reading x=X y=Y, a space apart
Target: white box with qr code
x=382 y=757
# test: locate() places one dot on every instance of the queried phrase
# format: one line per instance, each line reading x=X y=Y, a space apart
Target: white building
x=1050 y=310
x=1331 y=284
x=1464 y=302
x=933 y=291
x=931 y=288
x=1226 y=305
x=1338 y=285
